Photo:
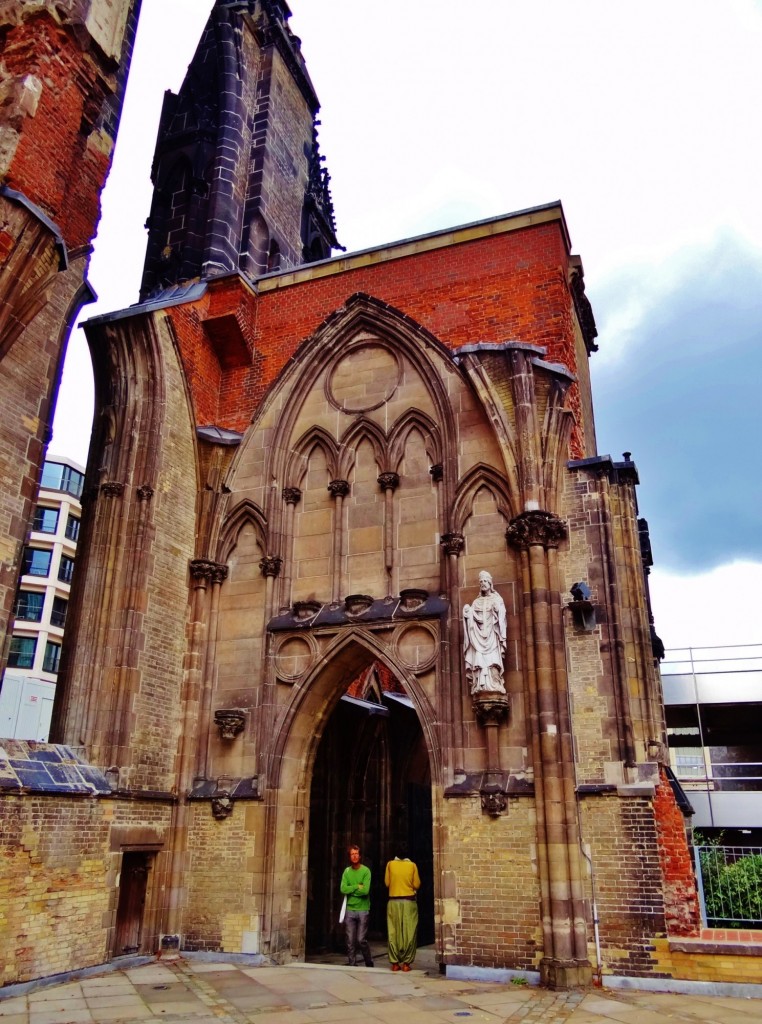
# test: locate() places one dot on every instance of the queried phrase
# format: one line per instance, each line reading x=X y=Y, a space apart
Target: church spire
x=239 y=183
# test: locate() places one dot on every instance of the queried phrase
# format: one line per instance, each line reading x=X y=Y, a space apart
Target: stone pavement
x=204 y=992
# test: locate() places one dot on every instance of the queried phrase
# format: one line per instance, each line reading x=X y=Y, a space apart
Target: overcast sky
x=644 y=119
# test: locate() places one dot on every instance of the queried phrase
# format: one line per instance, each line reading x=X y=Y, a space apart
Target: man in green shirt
x=355 y=885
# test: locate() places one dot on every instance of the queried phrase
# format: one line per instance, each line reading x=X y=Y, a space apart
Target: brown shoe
x=406 y=967
x=395 y=967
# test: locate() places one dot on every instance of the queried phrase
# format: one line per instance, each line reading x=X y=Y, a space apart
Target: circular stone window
x=364 y=379
x=293 y=659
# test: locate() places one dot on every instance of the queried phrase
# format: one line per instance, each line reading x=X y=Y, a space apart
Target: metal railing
x=699 y=660
x=729 y=885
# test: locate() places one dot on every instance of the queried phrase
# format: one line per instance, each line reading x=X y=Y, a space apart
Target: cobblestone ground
x=202 y=992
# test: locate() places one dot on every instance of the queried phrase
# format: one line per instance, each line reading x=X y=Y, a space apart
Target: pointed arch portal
x=371 y=785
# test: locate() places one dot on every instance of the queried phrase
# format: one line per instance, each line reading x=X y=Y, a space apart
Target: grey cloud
x=685 y=399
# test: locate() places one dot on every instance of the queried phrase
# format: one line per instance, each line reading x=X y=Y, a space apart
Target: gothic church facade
x=300 y=465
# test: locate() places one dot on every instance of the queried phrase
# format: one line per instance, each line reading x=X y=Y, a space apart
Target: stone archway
x=371 y=785
x=315 y=715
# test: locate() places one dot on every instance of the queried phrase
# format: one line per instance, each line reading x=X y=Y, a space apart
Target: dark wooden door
x=133 y=886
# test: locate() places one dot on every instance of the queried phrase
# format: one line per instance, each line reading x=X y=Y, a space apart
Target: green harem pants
x=402 y=926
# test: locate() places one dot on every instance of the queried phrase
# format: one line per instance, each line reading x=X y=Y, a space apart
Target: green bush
x=732 y=885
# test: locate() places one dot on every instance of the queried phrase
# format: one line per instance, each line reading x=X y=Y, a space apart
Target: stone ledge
x=716 y=947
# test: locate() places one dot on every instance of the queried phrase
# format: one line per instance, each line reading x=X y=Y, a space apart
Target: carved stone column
x=491 y=710
x=536 y=534
x=339 y=490
x=389 y=482
x=197 y=686
x=292 y=496
x=214 y=573
x=270 y=567
x=452 y=545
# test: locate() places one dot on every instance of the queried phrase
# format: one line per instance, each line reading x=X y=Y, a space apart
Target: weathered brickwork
x=58 y=135
x=680 y=896
x=60 y=859
x=490 y=886
x=221 y=917
x=622 y=836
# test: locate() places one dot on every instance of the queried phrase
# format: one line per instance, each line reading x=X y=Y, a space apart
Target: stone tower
x=300 y=472
x=238 y=180
x=63 y=68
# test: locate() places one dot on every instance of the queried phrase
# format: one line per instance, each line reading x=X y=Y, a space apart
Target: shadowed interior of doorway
x=371 y=786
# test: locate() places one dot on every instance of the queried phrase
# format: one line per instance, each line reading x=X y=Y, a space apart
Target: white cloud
x=723 y=606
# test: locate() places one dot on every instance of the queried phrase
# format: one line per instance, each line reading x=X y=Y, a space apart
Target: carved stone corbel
x=230 y=722
x=222 y=806
x=494 y=802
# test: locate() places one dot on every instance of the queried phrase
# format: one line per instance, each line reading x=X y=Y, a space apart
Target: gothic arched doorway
x=371 y=785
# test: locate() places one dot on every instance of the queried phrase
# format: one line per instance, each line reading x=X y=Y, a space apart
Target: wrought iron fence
x=730 y=885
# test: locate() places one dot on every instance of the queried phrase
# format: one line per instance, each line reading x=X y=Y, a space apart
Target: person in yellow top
x=403 y=882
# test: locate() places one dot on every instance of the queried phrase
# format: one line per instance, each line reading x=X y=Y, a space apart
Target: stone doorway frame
x=344 y=652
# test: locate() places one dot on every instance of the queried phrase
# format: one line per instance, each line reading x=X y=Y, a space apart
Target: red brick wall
x=681 y=906
x=53 y=164
x=509 y=287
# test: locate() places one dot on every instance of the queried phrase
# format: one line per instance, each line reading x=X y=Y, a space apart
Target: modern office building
x=713 y=698
x=42 y=598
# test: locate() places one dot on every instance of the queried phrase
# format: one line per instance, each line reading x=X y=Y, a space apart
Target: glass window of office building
x=29 y=606
x=72 y=528
x=45 y=520
x=52 y=657
x=21 y=654
x=58 y=612
x=66 y=569
x=36 y=562
x=57 y=477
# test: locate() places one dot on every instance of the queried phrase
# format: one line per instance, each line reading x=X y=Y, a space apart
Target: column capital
x=112 y=489
x=437 y=472
x=535 y=528
x=339 y=488
x=453 y=543
x=204 y=571
x=389 y=481
x=145 y=493
x=271 y=565
x=291 y=495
